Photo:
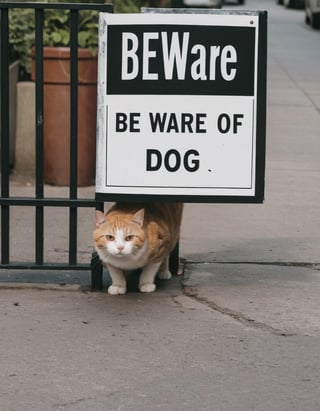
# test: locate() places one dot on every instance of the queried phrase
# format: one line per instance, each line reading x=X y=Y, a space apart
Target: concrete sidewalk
x=239 y=331
x=235 y=337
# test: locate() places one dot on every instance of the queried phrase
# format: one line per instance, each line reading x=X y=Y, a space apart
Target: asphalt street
x=239 y=331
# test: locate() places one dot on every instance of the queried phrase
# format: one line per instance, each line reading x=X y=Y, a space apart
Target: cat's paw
x=147 y=288
x=116 y=290
x=164 y=275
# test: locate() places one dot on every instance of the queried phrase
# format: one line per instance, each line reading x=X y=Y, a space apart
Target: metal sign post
x=181 y=107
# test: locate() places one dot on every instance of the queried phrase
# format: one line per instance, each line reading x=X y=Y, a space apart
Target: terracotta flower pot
x=57 y=115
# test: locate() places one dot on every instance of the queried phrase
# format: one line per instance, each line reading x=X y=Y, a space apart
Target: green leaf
x=56 y=37
x=82 y=38
x=65 y=37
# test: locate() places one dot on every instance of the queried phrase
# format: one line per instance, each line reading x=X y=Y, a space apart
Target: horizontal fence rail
x=39 y=201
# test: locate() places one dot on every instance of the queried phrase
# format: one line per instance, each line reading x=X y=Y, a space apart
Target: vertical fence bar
x=39 y=118
x=5 y=164
x=73 y=214
x=96 y=264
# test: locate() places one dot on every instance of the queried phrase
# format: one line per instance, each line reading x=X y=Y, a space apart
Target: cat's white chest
x=127 y=262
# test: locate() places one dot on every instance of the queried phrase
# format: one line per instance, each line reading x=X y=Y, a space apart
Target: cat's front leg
x=119 y=285
x=164 y=272
x=149 y=272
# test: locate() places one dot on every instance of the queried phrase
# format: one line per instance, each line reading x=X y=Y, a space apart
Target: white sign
x=178 y=106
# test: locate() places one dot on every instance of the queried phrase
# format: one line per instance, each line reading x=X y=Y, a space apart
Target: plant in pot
x=56 y=36
x=17 y=24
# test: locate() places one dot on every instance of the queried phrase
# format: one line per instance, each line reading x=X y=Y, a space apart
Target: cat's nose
x=120 y=247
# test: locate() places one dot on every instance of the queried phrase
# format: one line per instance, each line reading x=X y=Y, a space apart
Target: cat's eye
x=129 y=237
x=110 y=237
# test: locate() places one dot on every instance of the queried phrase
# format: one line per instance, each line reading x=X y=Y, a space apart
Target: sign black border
x=260 y=132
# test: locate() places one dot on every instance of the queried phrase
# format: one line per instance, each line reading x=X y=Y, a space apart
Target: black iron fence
x=39 y=201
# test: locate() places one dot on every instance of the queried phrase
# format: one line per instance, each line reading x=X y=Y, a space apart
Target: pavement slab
x=279 y=298
x=76 y=351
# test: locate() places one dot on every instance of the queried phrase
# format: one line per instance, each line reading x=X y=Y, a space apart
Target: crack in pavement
x=191 y=292
x=312 y=266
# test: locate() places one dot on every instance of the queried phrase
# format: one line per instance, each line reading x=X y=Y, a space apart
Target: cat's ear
x=100 y=218
x=139 y=217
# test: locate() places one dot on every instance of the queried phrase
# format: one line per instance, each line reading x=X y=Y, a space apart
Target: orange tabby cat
x=133 y=235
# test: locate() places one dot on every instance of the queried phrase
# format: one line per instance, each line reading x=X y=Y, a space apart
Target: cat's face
x=118 y=236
